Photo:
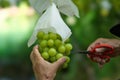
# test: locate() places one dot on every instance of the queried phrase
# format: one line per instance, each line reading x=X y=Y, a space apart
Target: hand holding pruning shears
x=102 y=49
x=101 y=53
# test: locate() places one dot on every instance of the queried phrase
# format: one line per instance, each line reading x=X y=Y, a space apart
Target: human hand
x=44 y=70
x=115 y=43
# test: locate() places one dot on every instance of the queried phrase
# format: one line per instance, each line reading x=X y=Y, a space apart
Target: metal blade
x=83 y=52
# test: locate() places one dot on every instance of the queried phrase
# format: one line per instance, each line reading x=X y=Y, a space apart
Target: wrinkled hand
x=115 y=43
x=44 y=70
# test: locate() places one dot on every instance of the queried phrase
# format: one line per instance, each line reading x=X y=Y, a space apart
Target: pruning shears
x=104 y=55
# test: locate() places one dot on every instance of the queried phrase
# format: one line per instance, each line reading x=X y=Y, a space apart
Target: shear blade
x=83 y=52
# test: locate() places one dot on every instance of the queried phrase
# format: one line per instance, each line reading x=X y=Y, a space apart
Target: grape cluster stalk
x=52 y=48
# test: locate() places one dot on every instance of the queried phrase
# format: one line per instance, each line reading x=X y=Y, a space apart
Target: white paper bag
x=51 y=21
x=66 y=7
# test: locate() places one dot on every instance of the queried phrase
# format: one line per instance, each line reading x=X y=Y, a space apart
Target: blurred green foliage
x=96 y=18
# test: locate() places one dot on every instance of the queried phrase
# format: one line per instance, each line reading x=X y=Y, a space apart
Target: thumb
x=59 y=62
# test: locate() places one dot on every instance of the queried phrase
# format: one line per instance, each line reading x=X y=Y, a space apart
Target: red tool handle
x=109 y=49
x=105 y=55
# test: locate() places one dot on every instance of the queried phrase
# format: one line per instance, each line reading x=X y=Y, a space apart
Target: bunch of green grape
x=52 y=48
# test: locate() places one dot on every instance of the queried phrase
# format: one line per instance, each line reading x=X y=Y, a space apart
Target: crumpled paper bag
x=66 y=7
x=51 y=21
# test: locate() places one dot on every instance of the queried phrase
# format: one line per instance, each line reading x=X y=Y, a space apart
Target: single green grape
x=45 y=49
x=52 y=52
x=59 y=37
x=58 y=42
x=59 y=55
x=67 y=59
x=40 y=35
x=52 y=36
x=68 y=47
x=43 y=43
x=50 y=42
x=46 y=36
x=40 y=49
x=61 y=49
x=68 y=40
x=45 y=55
x=67 y=53
x=53 y=59
x=65 y=65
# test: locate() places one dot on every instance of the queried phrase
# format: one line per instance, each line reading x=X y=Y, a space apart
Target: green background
x=17 y=24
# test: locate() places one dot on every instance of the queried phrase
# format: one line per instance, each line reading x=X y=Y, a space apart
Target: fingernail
x=64 y=59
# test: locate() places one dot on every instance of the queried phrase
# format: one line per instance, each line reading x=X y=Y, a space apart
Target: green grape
x=67 y=53
x=65 y=65
x=46 y=36
x=52 y=52
x=52 y=36
x=52 y=48
x=40 y=35
x=68 y=46
x=46 y=49
x=67 y=59
x=40 y=49
x=59 y=55
x=58 y=42
x=45 y=55
x=43 y=43
x=50 y=42
x=61 y=49
x=68 y=40
x=58 y=37
x=53 y=59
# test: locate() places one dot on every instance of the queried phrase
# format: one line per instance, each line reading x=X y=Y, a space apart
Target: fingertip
x=60 y=61
x=88 y=55
x=35 y=47
x=89 y=48
x=63 y=59
x=36 y=54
